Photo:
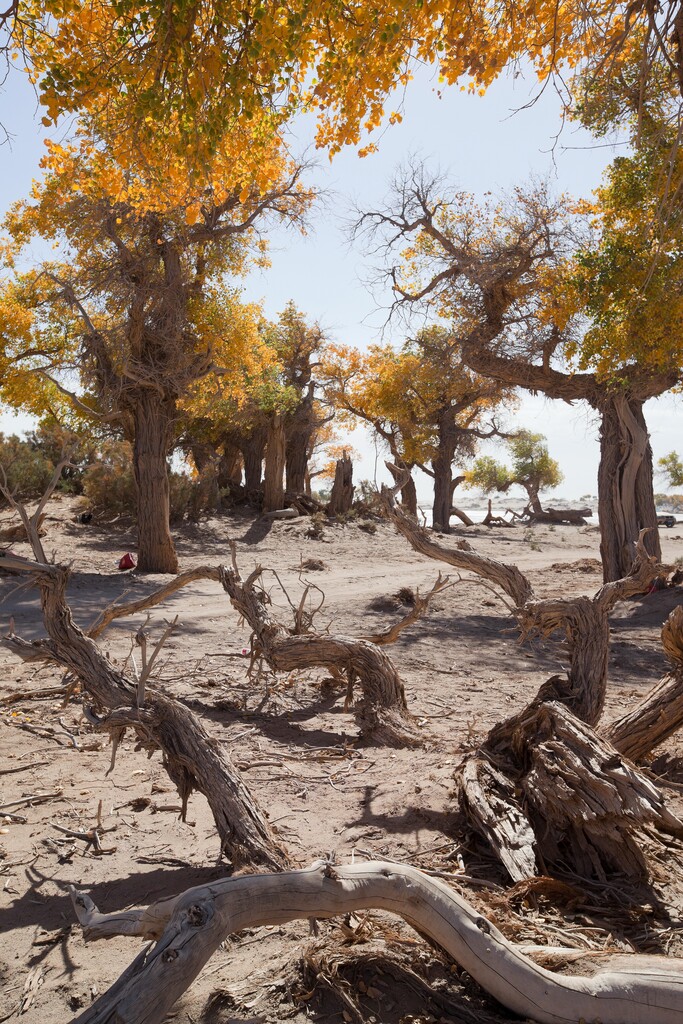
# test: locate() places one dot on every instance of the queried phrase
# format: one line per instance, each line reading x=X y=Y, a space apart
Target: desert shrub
x=27 y=470
x=109 y=485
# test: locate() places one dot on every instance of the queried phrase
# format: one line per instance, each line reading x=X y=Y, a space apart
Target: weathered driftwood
x=583 y=620
x=381 y=712
x=189 y=928
x=192 y=758
x=660 y=713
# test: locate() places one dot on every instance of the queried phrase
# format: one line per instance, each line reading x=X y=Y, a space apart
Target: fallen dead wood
x=381 y=712
x=192 y=758
x=573 y=516
x=419 y=608
x=544 y=787
x=189 y=928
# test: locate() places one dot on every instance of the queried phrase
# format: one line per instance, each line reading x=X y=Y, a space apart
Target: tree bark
x=153 y=424
x=626 y=503
x=189 y=929
x=253 y=447
x=443 y=491
x=273 y=484
x=230 y=466
x=341 y=497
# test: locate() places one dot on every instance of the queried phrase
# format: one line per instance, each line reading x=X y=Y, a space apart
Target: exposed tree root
x=189 y=928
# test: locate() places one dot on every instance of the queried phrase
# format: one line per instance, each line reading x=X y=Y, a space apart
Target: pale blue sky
x=482 y=144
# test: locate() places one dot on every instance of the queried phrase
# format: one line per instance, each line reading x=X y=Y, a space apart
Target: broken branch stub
x=189 y=928
x=192 y=758
x=381 y=712
x=660 y=713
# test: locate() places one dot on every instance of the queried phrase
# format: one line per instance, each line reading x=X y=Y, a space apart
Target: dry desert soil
x=298 y=749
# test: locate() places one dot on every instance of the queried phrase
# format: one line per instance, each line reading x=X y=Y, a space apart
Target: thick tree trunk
x=273 y=484
x=230 y=466
x=253 y=447
x=153 y=421
x=443 y=492
x=341 y=497
x=205 y=459
x=189 y=929
x=626 y=502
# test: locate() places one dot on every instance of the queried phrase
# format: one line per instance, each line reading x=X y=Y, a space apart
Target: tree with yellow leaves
x=137 y=302
x=185 y=74
x=424 y=403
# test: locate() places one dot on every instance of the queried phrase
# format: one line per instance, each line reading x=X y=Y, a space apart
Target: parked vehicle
x=666 y=521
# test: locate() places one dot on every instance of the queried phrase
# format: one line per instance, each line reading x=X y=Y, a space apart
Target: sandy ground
x=463 y=670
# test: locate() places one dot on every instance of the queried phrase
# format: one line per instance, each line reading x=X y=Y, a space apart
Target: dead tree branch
x=381 y=712
x=192 y=758
x=189 y=928
x=419 y=609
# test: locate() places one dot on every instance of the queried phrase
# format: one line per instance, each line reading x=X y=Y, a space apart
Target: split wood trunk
x=189 y=929
x=341 y=497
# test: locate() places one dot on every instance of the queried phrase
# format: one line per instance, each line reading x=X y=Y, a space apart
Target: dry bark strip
x=660 y=713
x=189 y=928
x=192 y=758
x=381 y=713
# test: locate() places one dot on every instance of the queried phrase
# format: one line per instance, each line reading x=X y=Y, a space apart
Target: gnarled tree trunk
x=253 y=446
x=398 y=470
x=626 y=503
x=192 y=758
x=381 y=713
x=273 y=484
x=153 y=425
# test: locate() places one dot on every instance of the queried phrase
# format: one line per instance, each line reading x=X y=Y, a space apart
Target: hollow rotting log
x=189 y=928
x=192 y=758
x=381 y=712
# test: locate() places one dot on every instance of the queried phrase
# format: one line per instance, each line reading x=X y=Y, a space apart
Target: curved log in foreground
x=189 y=928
